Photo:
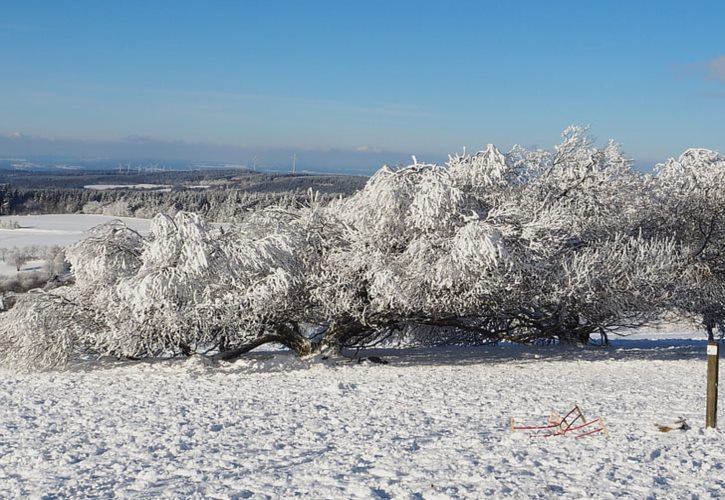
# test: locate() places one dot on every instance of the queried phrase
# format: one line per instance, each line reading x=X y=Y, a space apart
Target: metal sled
x=573 y=423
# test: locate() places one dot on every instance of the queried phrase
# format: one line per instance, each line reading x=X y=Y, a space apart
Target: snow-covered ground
x=10 y=270
x=62 y=229
x=431 y=424
x=51 y=230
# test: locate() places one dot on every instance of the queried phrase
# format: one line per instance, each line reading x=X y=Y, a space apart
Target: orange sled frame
x=573 y=423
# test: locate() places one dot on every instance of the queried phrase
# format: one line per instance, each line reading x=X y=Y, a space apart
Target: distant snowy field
x=155 y=187
x=431 y=424
x=10 y=270
x=50 y=230
x=62 y=229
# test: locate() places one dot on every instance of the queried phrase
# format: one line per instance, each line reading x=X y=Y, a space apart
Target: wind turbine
x=294 y=163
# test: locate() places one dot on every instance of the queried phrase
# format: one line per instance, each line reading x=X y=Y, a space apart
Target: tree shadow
x=619 y=350
x=275 y=359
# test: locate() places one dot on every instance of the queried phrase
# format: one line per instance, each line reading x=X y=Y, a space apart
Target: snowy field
x=62 y=230
x=10 y=270
x=155 y=187
x=51 y=230
x=431 y=424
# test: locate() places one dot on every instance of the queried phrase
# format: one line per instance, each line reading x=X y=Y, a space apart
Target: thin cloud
x=21 y=137
x=711 y=73
x=716 y=69
x=357 y=160
x=712 y=70
x=367 y=149
x=144 y=139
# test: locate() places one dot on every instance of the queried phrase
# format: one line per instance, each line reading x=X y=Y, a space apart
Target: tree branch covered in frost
x=689 y=195
x=521 y=246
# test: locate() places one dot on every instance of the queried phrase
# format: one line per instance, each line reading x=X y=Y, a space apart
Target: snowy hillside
x=423 y=426
x=59 y=230
x=51 y=230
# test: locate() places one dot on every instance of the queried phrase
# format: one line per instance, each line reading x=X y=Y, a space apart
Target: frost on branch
x=689 y=197
x=110 y=252
x=521 y=246
x=44 y=330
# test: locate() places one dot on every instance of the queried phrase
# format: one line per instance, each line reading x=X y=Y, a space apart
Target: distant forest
x=226 y=196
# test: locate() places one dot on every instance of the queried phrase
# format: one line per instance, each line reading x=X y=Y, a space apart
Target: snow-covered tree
x=521 y=246
x=18 y=257
x=689 y=194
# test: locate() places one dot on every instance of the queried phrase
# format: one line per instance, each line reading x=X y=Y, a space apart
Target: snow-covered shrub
x=520 y=246
x=689 y=201
x=50 y=273
x=17 y=257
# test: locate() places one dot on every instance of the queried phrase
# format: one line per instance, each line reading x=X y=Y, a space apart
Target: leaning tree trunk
x=289 y=336
x=233 y=354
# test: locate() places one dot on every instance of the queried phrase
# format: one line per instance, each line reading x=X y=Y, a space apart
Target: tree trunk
x=233 y=354
x=710 y=327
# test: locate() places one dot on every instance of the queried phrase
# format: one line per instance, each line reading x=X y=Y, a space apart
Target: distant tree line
x=219 y=205
x=239 y=179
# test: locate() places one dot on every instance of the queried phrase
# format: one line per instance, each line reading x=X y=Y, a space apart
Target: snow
x=58 y=229
x=10 y=270
x=431 y=424
x=52 y=230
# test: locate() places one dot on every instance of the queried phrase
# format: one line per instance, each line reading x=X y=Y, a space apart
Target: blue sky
x=380 y=78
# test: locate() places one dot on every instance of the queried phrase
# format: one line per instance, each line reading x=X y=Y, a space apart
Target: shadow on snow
x=620 y=349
